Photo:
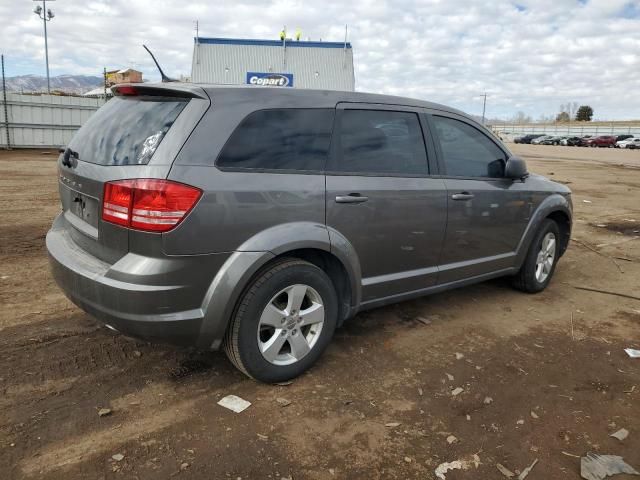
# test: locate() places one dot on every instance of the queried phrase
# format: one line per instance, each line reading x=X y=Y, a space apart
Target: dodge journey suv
x=259 y=219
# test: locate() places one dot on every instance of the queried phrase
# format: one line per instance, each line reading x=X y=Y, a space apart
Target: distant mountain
x=66 y=83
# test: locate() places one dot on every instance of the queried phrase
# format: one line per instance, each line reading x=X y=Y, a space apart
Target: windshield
x=126 y=131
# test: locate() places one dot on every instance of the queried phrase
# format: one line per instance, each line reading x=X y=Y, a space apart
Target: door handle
x=351 y=198
x=462 y=196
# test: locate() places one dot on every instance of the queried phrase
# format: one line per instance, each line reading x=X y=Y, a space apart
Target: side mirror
x=516 y=168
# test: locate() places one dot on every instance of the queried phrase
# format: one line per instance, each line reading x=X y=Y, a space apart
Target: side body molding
x=232 y=278
x=552 y=203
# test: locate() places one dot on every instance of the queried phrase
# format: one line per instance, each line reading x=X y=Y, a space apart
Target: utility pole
x=344 y=57
x=484 y=105
x=4 y=102
x=284 y=47
x=46 y=16
x=197 y=42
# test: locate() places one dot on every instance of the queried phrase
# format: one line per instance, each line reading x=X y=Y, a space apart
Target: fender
x=234 y=275
x=552 y=203
x=346 y=253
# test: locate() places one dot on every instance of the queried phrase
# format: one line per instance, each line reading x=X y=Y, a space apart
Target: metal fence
x=43 y=121
x=46 y=121
x=578 y=129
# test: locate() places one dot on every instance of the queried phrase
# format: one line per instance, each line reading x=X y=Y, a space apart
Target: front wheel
x=540 y=262
x=283 y=323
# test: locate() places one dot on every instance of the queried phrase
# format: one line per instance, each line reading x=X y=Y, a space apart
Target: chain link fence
x=578 y=129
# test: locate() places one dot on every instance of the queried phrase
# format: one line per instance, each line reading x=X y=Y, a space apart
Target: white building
x=274 y=63
x=99 y=93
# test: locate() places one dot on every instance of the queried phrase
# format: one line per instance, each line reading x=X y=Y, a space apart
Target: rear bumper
x=156 y=299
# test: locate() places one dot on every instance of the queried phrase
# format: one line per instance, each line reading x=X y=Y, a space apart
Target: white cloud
x=529 y=55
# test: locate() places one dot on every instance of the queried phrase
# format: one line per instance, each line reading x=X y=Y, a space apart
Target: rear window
x=380 y=142
x=280 y=139
x=126 y=131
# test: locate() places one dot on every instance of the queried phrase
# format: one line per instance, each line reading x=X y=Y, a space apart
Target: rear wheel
x=283 y=323
x=540 y=262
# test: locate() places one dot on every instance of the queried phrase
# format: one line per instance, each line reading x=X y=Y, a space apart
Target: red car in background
x=601 y=141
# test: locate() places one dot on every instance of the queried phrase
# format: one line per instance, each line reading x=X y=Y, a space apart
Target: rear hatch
x=135 y=135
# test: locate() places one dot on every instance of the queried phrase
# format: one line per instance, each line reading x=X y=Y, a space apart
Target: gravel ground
x=542 y=376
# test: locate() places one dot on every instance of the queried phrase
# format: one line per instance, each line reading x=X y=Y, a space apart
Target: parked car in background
x=554 y=140
x=572 y=141
x=629 y=143
x=540 y=139
x=620 y=138
x=602 y=141
x=526 y=138
x=585 y=139
x=258 y=220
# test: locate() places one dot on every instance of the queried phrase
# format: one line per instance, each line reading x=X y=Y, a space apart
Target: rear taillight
x=116 y=202
x=148 y=204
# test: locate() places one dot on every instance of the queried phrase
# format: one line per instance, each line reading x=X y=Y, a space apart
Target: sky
x=527 y=55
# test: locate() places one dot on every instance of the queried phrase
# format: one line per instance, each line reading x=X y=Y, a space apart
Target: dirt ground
x=542 y=376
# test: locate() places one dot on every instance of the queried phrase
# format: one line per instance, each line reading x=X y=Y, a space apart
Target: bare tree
x=573 y=108
x=570 y=108
x=521 y=117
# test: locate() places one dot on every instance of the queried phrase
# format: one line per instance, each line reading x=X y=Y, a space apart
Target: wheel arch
x=563 y=220
x=337 y=272
x=304 y=240
x=556 y=207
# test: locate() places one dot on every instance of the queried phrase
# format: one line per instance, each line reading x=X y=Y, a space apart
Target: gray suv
x=260 y=219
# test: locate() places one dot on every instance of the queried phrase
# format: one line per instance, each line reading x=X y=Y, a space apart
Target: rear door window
x=280 y=139
x=466 y=151
x=126 y=131
x=380 y=142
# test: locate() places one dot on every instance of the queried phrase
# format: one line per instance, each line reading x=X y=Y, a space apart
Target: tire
x=267 y=301
x=529 y=279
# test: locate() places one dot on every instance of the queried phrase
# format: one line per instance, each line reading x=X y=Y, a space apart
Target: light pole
x=46 y=15
x=484 y=105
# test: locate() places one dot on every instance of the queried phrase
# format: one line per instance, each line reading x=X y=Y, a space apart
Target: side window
x=284 y=139
x=468 y=152
x=379 y=141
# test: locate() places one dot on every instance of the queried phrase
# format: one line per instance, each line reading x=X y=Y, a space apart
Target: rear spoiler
x=180 y=90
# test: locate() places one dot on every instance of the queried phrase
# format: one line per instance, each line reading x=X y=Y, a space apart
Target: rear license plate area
x=84 y=207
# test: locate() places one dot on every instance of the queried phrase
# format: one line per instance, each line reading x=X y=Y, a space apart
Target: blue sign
x=270 y=79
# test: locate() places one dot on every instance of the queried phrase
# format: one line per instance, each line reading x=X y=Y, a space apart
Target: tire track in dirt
x=68 y=452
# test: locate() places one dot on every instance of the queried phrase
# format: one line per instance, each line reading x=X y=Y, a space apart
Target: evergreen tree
x=584 y=114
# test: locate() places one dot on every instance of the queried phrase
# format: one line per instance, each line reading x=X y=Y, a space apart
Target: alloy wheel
x=546 y=257
x=290 y=324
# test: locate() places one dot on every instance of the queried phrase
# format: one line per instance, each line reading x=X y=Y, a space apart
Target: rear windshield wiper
x=67 y=154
